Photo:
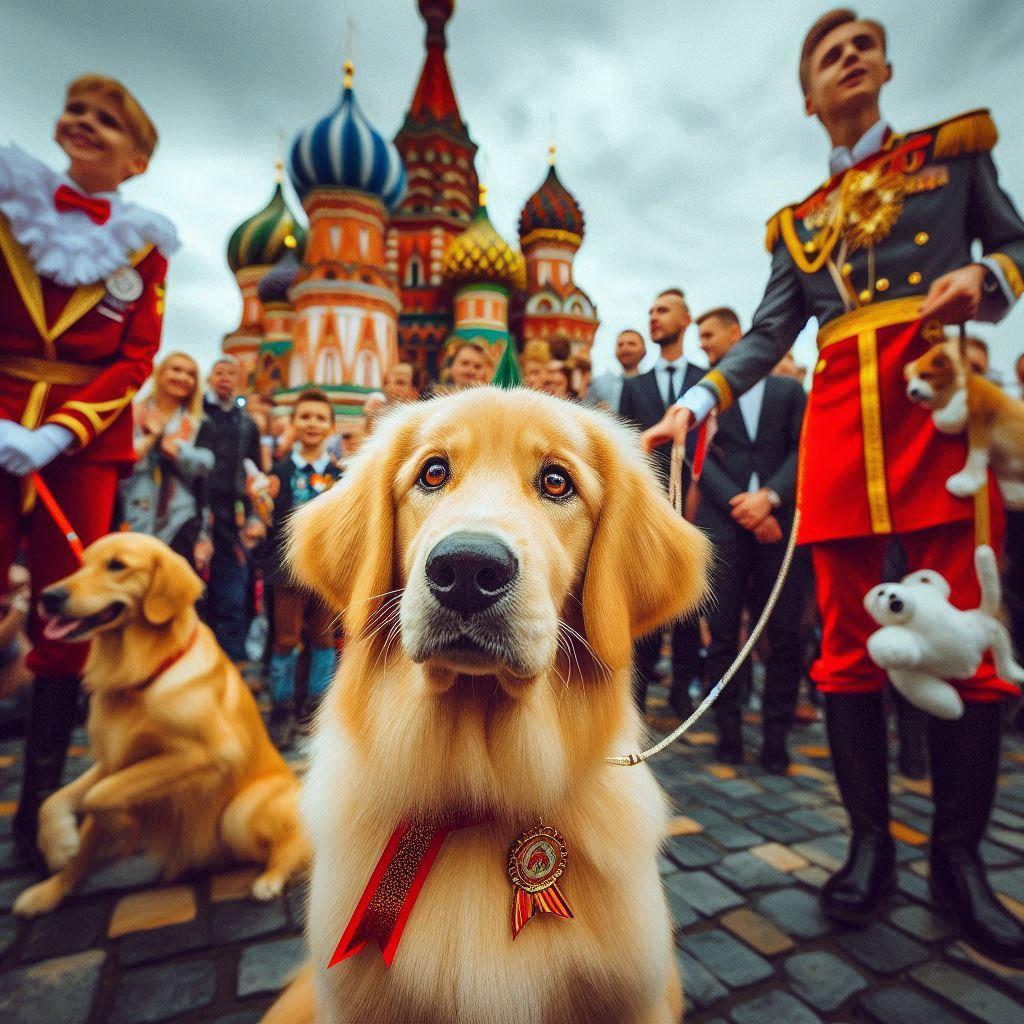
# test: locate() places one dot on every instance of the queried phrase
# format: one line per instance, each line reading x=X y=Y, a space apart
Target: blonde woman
x=165 y=496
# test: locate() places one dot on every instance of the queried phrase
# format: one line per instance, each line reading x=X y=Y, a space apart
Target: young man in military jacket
x=881 y=254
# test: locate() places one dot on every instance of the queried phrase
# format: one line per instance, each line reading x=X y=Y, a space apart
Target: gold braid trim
x=1010 y=271
x=973 y=132
x=722 y=388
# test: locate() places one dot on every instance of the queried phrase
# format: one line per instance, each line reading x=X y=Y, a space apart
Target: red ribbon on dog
x=391 y=893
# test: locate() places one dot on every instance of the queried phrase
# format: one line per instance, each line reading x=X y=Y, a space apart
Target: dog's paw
x=38 y=899
x=58 y=838
x=964 y=484
x=267 y=886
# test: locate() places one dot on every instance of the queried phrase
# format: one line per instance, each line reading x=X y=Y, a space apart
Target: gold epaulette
x=773 y=230
x=964 y=135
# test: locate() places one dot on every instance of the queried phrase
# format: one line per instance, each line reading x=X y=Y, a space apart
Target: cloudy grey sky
x=679 y=124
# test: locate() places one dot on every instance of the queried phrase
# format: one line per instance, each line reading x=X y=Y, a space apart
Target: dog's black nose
x=52 y=599
x=468 y=572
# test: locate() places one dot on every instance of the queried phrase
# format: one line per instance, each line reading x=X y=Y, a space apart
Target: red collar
x=168 y=662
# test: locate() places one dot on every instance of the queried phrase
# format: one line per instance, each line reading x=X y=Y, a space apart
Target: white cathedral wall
x=345 y=362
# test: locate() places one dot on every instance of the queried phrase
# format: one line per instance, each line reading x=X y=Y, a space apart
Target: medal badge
x=125 y=284
x=535 y=863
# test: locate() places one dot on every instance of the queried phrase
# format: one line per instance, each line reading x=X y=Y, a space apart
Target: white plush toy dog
x=925 y=641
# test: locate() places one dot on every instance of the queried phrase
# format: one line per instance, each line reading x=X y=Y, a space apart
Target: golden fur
x=182 y=759
x=960 y=399
x=408 y=728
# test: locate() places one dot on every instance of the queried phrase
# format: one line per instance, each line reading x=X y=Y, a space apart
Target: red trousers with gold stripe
x=86 y=492
x=847 y=569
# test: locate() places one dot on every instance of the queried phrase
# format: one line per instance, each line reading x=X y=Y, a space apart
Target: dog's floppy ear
x=647 y=565
x=341 y=545
x=172 y=586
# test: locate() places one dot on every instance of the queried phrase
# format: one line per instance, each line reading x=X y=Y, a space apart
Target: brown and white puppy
x=495 y=554
x=942 y=380
x=182 y=759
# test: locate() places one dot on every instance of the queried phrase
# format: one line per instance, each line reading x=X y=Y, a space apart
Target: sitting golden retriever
x=182 y=759
x=495 y=553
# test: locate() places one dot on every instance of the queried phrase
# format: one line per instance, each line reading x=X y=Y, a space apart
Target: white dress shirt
x=842 y=158
x=750 y=403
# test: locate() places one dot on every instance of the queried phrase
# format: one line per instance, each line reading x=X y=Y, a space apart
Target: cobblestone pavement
x=742 y=866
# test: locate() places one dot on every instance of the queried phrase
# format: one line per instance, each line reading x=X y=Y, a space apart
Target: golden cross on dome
x=551 y=154
x=349 y=65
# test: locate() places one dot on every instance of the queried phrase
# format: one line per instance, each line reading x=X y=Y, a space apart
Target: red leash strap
x=57 y=514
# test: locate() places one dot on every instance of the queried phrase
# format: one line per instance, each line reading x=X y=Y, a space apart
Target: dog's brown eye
x=434 y=474
x=556 y=483
x=116 y=565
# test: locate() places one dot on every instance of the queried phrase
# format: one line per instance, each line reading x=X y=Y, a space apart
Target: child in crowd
x=300 y=476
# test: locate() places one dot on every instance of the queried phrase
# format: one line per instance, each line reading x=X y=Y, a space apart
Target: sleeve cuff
x=1011 y=285
x=700 y=400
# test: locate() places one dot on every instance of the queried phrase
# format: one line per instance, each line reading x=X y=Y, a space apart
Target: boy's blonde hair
x=140 y=127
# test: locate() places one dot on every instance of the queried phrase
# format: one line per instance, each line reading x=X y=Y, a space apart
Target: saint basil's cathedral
x=400 y=259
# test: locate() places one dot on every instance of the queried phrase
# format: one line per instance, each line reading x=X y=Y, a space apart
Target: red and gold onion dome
x=552 y=213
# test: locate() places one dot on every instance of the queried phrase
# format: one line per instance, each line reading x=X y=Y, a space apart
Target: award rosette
x=535 y=863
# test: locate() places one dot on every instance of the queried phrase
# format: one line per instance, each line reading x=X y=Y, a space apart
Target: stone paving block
x=774 y=1007
x=905 y=854
x=822 y=979
x=913 y=885
x=745 y=871
x=921 y=923
x=901 y=1005
x=692 y=851
x=1010 y=882
x=796 y=912
x=978 y=999
x=8 y=929
x=681 y=825
x=700 y=987
x=1011 y=977
x=676 y=886
x=1007 y=819
x=159 y=943
x=57 y=991
x=666 y=866
x=813 y=821
x=779 y=856
x=69 y=929
x=828 y=852
x=1010 y=838
x=233 y=885
x=739 y=789
x=775 y=803
x=778 y=828
x=808 y=797
x=152 y=908
x=734 y=836
x=996 y=856
x=707 y=817
x=270 y=966
x=882 y=949
x=756 y=931
x=730 y=960
x=246 y=919
x=129 y=873
x=150 y=994
x=706 y=894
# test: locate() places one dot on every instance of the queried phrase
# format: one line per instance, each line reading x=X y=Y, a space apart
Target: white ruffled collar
x=68 y=247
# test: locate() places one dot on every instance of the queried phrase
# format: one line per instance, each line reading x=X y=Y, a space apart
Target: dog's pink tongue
x=57 y=629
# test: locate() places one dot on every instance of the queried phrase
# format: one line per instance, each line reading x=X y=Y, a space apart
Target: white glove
x=23 y=451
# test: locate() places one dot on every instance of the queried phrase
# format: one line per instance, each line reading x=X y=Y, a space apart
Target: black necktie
x=670 y=370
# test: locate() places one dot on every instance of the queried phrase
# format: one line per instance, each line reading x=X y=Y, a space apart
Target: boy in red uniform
x=81 y=304
x=881 y=255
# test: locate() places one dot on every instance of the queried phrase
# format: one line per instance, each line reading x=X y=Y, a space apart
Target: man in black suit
x=644 y=400
x=747 y=494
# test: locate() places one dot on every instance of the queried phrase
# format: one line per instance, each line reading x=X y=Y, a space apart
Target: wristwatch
x=773 y=498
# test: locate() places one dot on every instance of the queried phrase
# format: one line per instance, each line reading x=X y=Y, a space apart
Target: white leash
x=676 y=497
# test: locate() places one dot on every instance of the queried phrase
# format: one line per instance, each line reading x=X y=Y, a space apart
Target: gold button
x=809 y=247
x=882 y=283
x=865 y=296
x=921 y=238
x=847 y=269
x=820 y=368
x=914 y=277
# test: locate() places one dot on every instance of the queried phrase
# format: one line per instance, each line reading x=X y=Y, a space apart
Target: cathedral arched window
x=414 y=272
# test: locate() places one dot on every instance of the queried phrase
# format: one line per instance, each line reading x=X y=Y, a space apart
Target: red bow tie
x=97 y=210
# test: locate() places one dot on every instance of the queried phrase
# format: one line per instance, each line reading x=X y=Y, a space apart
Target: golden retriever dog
x=182 y=759
x=495 y=554
x=942 y=380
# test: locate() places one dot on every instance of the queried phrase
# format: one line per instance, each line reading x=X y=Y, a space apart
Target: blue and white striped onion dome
x=343 y=150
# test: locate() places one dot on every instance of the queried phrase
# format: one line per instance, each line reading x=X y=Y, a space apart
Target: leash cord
x=57 y=514
x=675 y=493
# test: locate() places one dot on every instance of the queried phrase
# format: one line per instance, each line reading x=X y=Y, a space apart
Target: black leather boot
x=965 y=766
x=912 y=729
x=730 y=737
x=51 y=717
x=774 y=755
x=857 y=738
